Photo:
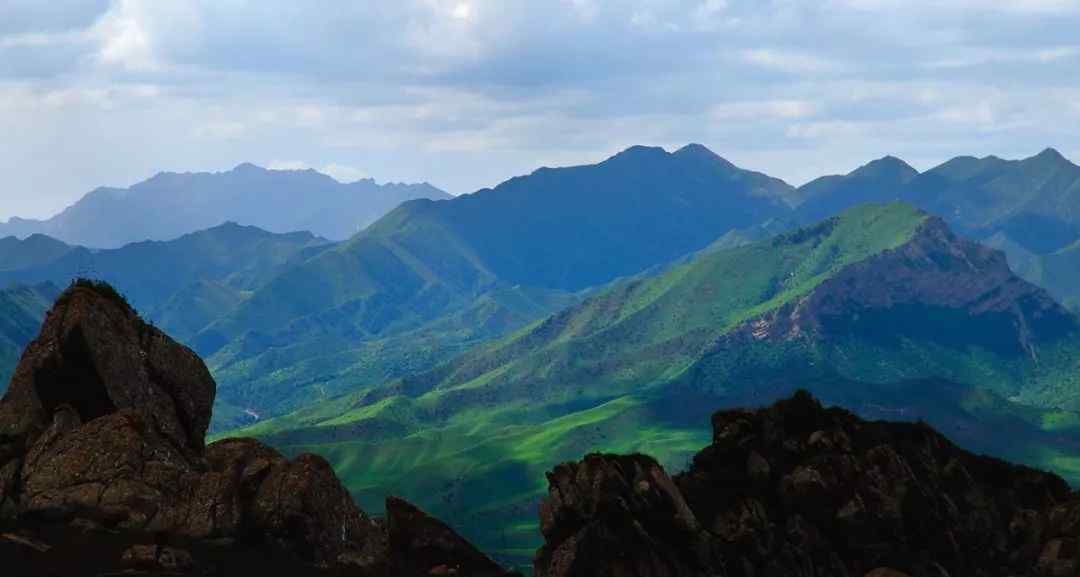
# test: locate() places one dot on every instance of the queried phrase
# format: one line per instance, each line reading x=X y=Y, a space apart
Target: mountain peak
x=1051 y=154
x=887 y=166
x=248 y=167
x=695 y=149
x=639 y=152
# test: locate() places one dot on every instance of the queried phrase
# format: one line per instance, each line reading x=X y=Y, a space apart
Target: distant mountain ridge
x=1035 y=200
x=170 y=204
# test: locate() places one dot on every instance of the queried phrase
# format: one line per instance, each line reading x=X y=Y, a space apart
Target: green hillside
x=431 y=279
x=640 y=365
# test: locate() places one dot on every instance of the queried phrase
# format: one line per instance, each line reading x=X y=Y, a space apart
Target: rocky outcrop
x=102 y=430
x=618 y=515
x=800 y=490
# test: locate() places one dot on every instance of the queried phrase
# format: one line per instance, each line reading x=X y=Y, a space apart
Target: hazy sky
x=465 y=93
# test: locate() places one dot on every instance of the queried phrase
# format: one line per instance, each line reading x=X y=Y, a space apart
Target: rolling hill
x=170 y=204
x=432 y=278
x=882 y=308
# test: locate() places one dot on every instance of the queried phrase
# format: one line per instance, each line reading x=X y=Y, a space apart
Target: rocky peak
x=800 y=489
x=95 y=355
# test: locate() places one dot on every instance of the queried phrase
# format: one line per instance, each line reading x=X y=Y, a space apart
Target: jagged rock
x=421 y=545
x=800 y=490
x=101 y=435
x=97 y=356
x=158 y=558
x=617 y=515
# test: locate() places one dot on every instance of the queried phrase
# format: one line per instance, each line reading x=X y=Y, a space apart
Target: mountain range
x=881 y=307
x=171 y=204
x=454 y=350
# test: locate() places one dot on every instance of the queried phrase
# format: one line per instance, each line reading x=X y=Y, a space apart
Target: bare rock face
x=799 y=490
x=101 y=431
x=96 y=356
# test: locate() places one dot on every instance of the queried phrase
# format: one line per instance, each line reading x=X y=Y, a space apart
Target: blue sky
x=466 y=93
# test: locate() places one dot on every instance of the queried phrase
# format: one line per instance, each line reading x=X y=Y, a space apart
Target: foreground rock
x=103 y=468
x=802 y=491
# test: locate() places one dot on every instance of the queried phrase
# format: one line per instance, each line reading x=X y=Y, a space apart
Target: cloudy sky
x=466 y=93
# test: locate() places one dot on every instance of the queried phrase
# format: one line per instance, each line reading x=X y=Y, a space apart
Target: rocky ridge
x=103 y=464
x=800 y=490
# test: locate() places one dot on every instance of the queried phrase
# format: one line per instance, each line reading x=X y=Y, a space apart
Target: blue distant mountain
x=171 y=204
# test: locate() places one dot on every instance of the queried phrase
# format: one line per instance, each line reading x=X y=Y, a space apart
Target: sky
x=467 y=93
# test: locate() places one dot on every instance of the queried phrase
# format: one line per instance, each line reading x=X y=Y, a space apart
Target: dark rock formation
x=102 y=458
x=804 y=491
x=423 y=545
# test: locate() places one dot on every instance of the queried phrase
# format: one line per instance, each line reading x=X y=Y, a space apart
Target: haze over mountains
x=172 y=204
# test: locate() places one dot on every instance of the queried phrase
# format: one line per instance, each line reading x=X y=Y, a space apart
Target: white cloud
x=124 y=39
